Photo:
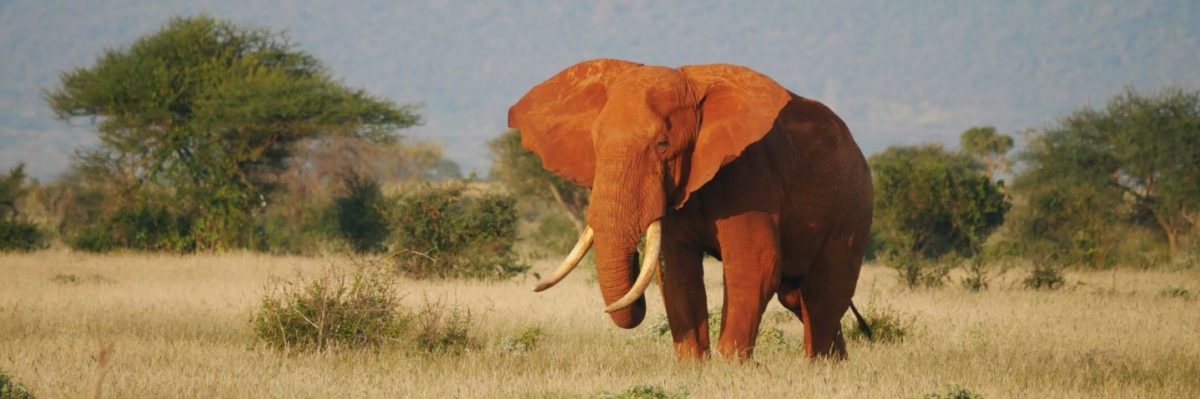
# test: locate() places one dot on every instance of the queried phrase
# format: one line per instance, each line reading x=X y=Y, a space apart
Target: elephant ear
x=555 y=117
x=738 y=106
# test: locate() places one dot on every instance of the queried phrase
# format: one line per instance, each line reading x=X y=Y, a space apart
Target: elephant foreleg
x=682 y=278
x=750 y=250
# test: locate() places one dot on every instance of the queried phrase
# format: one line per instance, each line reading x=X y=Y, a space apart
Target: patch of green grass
x=72 y=279
x=10 y=389
x=887 y=325
x=1176 y=292
x=642 y=392
x=522 y=342
x=953 y=392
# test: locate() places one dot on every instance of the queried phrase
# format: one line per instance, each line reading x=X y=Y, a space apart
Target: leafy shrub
x=10 y=389
x=304 y=231
x=360 y=213
x=887 y=325
x=443 y=233
x=1044 y=276
x=441 y=329
x=642 y=392
x=334 y=310
x=144 y=226
x=93 y=240
x=523 y=342
x=931 y=204
x=954 y=392
x=20 y=236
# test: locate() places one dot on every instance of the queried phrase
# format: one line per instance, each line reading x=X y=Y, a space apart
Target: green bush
x=143 y=226
x=522 y=342
x=304 y=231
x=642 y=392
x=887 y=325
x=20 y=236
x=442 y=329
x=10 y=389
x=954 y=392
x=931 y=205
x=93 y=239
x=333 y=311
x=361 y=217
x=443 y=233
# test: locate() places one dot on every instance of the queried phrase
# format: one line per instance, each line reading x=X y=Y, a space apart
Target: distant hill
x=898 y=72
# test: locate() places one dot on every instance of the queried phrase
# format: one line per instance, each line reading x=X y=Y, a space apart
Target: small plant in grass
x=1176 y=292
x=642 y=392
x=522 y=342
x=72 y=279
x=335 y=310
x=977 y=276
x=10 y=389
x=887 y=325
x=954 y=392
x=1044 y=276
x=443 y=329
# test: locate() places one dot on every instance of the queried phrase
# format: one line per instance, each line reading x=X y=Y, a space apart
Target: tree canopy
x=1137 y=160
x=203 y=111
x=988 y=147
x=931 y=203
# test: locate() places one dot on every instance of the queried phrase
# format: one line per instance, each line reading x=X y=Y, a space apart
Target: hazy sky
x=897 y=72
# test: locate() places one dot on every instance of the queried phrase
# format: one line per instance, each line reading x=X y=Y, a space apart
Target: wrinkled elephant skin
x=732 y=165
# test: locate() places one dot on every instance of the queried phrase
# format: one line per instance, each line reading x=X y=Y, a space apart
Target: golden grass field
x=179 y=327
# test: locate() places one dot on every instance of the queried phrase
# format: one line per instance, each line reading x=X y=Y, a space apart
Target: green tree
x=990 y=148
x=13 y=187
x=929 y=204
x=522 y=172
x=203 y=111
x=1138 y=159
x=16 y=234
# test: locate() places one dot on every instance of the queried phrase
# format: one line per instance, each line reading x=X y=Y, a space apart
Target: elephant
x=715 y=160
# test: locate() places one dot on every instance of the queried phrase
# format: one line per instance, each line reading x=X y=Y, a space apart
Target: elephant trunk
x=618 y=214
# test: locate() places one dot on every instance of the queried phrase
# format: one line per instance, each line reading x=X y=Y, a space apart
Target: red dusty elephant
x=708 y=159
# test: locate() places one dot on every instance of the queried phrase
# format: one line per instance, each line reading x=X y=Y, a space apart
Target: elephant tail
x=862 y=323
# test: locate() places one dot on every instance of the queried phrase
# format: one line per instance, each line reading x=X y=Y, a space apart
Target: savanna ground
x=179 y=326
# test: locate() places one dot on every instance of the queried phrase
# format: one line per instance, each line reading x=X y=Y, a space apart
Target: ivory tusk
x=577 y=253
x=649 y=268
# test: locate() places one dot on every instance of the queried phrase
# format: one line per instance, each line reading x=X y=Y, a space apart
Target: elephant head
x=644 y=139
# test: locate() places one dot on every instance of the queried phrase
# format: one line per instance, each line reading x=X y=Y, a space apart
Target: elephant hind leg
x=822 y=296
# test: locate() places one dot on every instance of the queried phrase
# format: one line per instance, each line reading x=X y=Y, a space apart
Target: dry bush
x=334 y=310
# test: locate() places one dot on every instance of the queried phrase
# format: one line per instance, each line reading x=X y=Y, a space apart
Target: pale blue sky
x=897 y=72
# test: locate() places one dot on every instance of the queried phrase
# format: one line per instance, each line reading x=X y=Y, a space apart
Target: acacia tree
x=1139 y=151
x=522 y=172
x=929 y=204
x=202 y=112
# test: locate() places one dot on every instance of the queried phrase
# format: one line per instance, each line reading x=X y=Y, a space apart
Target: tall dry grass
x=180 y=328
